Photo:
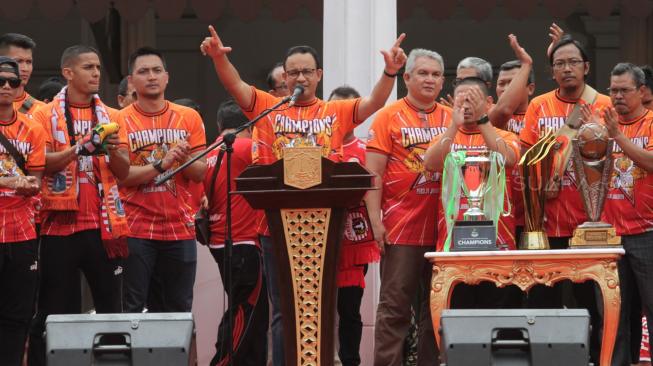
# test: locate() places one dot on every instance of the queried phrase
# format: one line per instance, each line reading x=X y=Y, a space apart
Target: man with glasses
x=310 y=121
x=629 y=200
x=20 y=178
x=564 y=209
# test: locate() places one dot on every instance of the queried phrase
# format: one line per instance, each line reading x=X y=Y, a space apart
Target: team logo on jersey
x=357 y=228
x=8 y=166
x=301 y=133
x=624 y=175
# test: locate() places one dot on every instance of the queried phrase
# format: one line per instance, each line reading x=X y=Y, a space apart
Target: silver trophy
x=475 y=174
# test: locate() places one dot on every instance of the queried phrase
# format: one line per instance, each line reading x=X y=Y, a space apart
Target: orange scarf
x=61 y=189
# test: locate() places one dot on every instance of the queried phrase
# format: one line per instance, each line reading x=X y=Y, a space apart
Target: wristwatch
x=484 y=119
x=158 y=167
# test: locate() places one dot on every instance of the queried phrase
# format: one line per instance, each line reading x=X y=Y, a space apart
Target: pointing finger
x=399 y=40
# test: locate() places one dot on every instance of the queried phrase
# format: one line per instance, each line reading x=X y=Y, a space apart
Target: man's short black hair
x=123 y=86
x=345 y=92
x=16 y=40
x=230 y=116
x=474 y=81
x=144 y=51
x=648 y=75
x=516 y=64
x=187 y=102
x=565 y=40
x=49 y=88
x=302 y=50
x=71 y=53
x=270 y=80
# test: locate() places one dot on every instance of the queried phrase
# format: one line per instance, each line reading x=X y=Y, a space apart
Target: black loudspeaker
x=119 y=339
x=515 y=337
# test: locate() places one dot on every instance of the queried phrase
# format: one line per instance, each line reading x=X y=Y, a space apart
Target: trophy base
x=534 y=240
x=474 y=236
x=594 y=234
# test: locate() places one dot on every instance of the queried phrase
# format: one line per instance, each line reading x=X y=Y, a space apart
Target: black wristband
x=484 y=119
x=389 y=75
x=158 y=167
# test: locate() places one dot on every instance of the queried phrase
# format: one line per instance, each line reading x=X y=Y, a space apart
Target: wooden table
x=526 y=269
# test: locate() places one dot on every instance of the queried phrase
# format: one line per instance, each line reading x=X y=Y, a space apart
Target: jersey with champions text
x=315 y=123
x=473 y=141
x=16 y=213
x=515 y=125
x=62 y=223
x=165 y=212
x=629 y=203
x=244 y=217
x=549 y=111
x=403 y=132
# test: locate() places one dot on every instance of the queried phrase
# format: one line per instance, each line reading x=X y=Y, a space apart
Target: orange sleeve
x=195 y=127
x=41 y=117
x=260 y=102
x=36 y=158
x=347 y=110
x=122 y=132
x=512 y=140
x=379 y=139
x=530 y=133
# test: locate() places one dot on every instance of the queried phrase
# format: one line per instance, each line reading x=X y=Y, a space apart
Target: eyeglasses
x=295 y=73
x=13 y=82
x=560 y=64
x=622 y=91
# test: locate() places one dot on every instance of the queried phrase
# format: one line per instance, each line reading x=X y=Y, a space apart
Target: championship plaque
x=592 y=157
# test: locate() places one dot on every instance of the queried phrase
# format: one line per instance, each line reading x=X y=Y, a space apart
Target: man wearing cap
x=22 y=160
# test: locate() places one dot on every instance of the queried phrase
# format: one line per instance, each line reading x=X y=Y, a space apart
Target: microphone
x=295 y=94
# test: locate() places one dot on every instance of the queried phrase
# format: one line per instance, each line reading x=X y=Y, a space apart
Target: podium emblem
x=302 y=166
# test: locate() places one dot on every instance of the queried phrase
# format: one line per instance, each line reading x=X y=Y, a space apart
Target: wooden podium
x=305 y=197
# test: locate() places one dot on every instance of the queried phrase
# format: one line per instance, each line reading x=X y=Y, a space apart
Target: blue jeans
x=172 y=262
x=272 y=278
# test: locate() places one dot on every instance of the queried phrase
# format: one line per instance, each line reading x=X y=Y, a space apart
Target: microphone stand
x=227 y=141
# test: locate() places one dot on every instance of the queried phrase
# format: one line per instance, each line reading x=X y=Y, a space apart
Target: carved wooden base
x=594 y=237
x=526 y=269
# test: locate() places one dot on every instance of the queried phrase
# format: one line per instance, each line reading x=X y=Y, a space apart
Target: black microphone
x=295 y=94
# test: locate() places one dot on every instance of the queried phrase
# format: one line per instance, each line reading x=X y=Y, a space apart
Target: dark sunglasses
x=13 y=82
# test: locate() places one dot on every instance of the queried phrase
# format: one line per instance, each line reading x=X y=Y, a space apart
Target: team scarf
x=61 y=189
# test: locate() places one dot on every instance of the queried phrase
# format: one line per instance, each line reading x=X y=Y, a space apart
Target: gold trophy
x=593 y=164
x=536 y=167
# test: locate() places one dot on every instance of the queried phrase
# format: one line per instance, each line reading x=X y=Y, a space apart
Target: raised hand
x=555 y=33
x=520 y=52
x=477 y=100
x=458 y=116
x=589 y=114
x=395 y=57
x=212 y=46
x=447 y=101
x=611 y=119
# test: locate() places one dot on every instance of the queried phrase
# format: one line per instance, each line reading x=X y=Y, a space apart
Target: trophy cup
x=535 y=167
x=593 y=164
x=477 y=175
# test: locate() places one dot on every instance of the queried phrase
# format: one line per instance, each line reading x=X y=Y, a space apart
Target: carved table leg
x=442 y=284
x=611 y=305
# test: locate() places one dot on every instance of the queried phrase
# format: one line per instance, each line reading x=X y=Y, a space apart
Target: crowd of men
x=78 y=192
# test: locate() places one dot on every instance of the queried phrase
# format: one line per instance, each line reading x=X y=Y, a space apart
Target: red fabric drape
x=479 y=9
x=208 y=10
x=440 y=9
x=93 y=10
x=132 y=10
x=170 y=9
x=15 y=10
x=520 y=9
x=55 y=10
x=599 y=9
x=315 y=8
x=560 y=8
x=246 y=10
x=285 y=10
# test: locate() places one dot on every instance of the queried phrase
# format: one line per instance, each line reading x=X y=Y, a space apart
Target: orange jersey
x=629 y=203
x=515 y=125
x=473 y=141
x=165 y=212
x=316 y=123
x=63 y=223
x=27 y=104
x=16 y=212
x=410 y=193
x=549 y=112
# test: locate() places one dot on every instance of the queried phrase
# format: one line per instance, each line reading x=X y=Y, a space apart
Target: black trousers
x=250 y=308
x=62 y=259
x=18 y=281
x=350 y=324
